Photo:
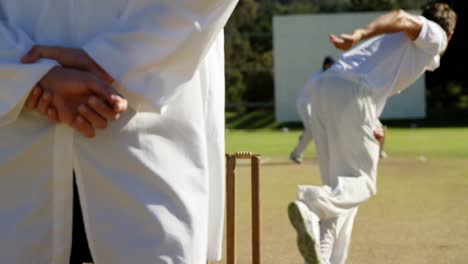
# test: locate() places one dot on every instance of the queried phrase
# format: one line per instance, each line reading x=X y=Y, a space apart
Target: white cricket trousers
x=343 y=123
x=304 y=111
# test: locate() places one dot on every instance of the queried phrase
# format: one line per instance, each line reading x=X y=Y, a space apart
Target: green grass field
x=420 y=214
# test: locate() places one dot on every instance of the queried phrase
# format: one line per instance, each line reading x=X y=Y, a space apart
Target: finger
x=106 y=92
x=102 y=89
x=335 y=39
x=92 y=117
x=346 y=37
x=102 y=108
x=53 y=116
x=120 y=104
x=337 y=42
x=83 y=126
x=38 y=52
x=44 y=103
x=31 y=56
x=109 y=94
x=33 y=98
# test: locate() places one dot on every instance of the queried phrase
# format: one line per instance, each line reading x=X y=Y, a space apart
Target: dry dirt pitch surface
x=419 y=216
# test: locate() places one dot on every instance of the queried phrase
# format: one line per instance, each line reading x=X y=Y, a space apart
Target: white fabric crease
x=144 y=182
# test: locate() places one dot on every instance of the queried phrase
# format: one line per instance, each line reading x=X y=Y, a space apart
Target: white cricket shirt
x=389 y=63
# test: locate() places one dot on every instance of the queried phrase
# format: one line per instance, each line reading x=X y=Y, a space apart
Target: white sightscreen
x=300 y=44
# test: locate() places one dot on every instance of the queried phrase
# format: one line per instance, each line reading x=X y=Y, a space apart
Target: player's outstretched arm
x=393 y=22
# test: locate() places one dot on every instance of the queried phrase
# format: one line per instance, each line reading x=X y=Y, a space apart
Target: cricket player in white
x=144 y=178
x=346 y=102
x=304 y=110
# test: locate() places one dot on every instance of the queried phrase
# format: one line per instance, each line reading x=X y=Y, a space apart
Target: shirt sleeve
x=16 y=79
x=157 y=45
x=432 y=39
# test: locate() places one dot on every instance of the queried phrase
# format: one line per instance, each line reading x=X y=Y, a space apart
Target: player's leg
x=327 y=238
x=306 y=193
x=352 y=151
x=354 y=155
x=335 y=238
x=306 y=135
x=309 y=243
x=355 y=151
x=303 y=219
x=343 y=230
x=306 y=224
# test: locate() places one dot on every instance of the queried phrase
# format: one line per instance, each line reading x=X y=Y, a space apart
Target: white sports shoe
x=307 y=227
x=383 y=155
x=296 y=159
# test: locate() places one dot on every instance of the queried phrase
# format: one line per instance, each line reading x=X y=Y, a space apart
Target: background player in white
x=346 y=102
x=304 y=111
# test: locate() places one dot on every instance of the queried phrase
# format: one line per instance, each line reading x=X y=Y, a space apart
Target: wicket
x=231 y=235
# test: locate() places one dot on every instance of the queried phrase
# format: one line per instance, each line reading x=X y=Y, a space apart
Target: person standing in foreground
x=346 y=102
x=305 y=112
x=143 y=178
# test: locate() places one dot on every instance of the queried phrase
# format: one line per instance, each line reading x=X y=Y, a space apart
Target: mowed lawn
x=419 y=216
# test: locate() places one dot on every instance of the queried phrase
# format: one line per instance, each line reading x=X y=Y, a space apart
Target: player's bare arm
x=393 y=22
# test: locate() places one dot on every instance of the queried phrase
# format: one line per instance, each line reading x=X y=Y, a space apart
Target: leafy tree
x=374 y=5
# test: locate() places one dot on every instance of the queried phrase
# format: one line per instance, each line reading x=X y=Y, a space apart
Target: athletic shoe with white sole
x=307 y=227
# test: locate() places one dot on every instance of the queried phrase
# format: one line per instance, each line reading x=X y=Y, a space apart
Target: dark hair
x=327 y=62
x=442 y=14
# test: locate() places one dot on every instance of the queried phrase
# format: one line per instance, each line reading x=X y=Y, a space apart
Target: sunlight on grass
x=418 y=216
x=433 y=142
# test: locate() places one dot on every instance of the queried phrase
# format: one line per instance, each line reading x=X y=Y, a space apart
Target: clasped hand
x=77 y=93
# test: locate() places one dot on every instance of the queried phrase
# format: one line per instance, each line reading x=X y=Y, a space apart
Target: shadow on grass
x=435 y=118
x=272 y=163
x=251 y=120
x=261 y=119
x=265 y=119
